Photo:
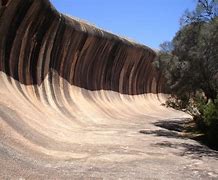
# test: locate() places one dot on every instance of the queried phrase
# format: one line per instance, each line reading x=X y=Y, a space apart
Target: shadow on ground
x=175 y=129
x=188 y=149
x=169 y=128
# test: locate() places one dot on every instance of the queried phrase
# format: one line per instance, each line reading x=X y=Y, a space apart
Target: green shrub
x=210 y=113
x=204 y=113
x=210 y=116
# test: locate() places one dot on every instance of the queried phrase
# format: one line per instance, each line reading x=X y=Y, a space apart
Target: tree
x=190 y=66
x=196 y=47
x=205 y=10
x=190 y=62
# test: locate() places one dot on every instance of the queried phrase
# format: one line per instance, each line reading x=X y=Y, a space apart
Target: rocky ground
x=121 y=140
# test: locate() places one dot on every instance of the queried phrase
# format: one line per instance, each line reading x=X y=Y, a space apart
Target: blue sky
x=149 y=22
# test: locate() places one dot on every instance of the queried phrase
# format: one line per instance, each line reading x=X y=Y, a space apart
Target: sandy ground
x=74 y=133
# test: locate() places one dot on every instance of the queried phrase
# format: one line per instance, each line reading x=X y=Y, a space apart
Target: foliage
x=210 y=121
x=195 y=46
x=210 y=113
x=205 y=11
x=189 y=64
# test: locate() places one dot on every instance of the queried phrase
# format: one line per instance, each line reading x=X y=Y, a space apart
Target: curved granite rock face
x=39 y=41
x=74 y=99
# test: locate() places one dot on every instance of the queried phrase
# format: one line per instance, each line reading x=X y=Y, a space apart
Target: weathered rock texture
x=37 y=41
x=76 y=103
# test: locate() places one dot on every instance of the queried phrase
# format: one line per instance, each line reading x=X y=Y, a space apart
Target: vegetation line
x=189 y=64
